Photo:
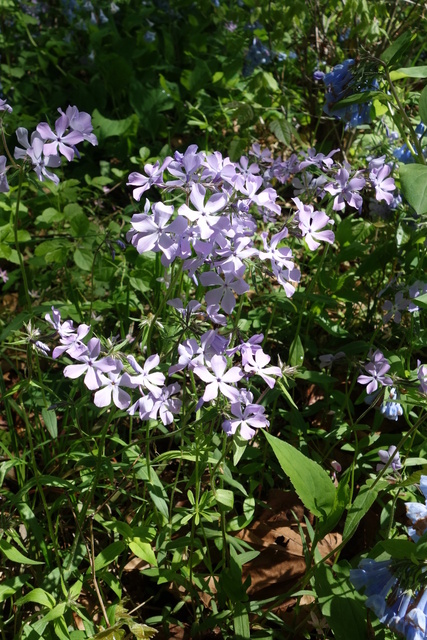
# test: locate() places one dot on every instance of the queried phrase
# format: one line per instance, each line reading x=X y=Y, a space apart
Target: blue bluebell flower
x=340 y=83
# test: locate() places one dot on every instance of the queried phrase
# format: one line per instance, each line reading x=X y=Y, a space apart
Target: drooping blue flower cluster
x=403 y=153
x=340 y=84
x=395 y=589
x=256 y=55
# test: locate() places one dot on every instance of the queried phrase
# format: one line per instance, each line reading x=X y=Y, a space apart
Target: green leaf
x=397 y=50
x=409 y=72
x=225 y=499
x=361 y=505
x=413 y=178
x=312 y=484
x=106 y=128
x=39 y=596
x=14 y=555
x=242 y=629
x=423 y=105
x=10 y=586
x=421 y=301
x=282 y=129
x=84 y=259
x=398 y=548
x=51 y=422
x=340 y=603
x=143 y=550
x=109 y=554
x=296 y=352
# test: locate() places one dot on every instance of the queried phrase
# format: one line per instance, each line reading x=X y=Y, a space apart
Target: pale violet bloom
x=91 y=366
x=345 y=189
x=247 y=419
x=204 y=213
x=219 y=380
x=385 y=456
x=111 y=390
x=311 y=224
x=4 y=106
x=382 y=183
x=151 y=381
x=3 y=275
x=154 y=176
x=376 y=371
x=394 y=309
x=61 y=140
x=422 y=376
x=81 y=122
x=223 y=294
x=257 y=365
x=4 y=187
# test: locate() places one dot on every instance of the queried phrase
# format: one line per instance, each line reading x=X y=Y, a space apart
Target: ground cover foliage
x=213 y=339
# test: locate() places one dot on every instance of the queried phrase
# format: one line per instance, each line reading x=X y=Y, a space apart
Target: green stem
x=15 y=235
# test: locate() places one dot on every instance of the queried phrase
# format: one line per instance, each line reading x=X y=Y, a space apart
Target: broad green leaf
x=312 y=484
x=361 y=505
x=109 y=554
x=296 y=352
x=423 y=105
x=39 y=596
x=421 y=301
x=51 y=422
x=409 y=72
x=413 y=178
x=399 y=548
x=143 y=550
x=225 y=498
x=282 y=129
x=14 y=555
x=397 y=50
x=106 y=128
x=84 y=259
x=142 y=631
x=340 y=603
x=11 y=585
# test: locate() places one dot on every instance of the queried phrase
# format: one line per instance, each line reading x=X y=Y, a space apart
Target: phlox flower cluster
x=395 y=589
x=141 y=389
x=402 y=303
x=375 y=377
x=44 y=148
x=340 y=83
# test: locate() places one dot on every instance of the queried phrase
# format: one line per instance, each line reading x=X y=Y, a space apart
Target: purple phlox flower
x=267 y=199
x=417 y=289
x=143 y=405
x=248 y=348
x=318 y=159
x=152 y=232
x=190 y=355
x=55 y=320
x=247 y=419
x=91 y=366
x=184 y=167
x=81 y=122
x=205 y=214
x=328 y=359
x=35 y=151
x=154 y=175
x=62 y=141
x=237 y=173
x=394 y=309
x=213 y=166
x=286 y=277
x=151 y=381
x=185 y=311
x=385 y=456
x=233 y=254
x=112 y=391
x=318 y=75
x=382 y=183
x=280 y=257
x=223 y=294
x=4 y=106
x=422 y=376
x=345 y=189
x=311 y=222
x=220 y=380
x=165 y=405
x=71 y=340
x=257 y=365
x=376 y=371
x=214 y=315
x=308 y=184
x=416 y=512
x=230 y=26
x=4 y=187
x=263 y=155
x=3 y=275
